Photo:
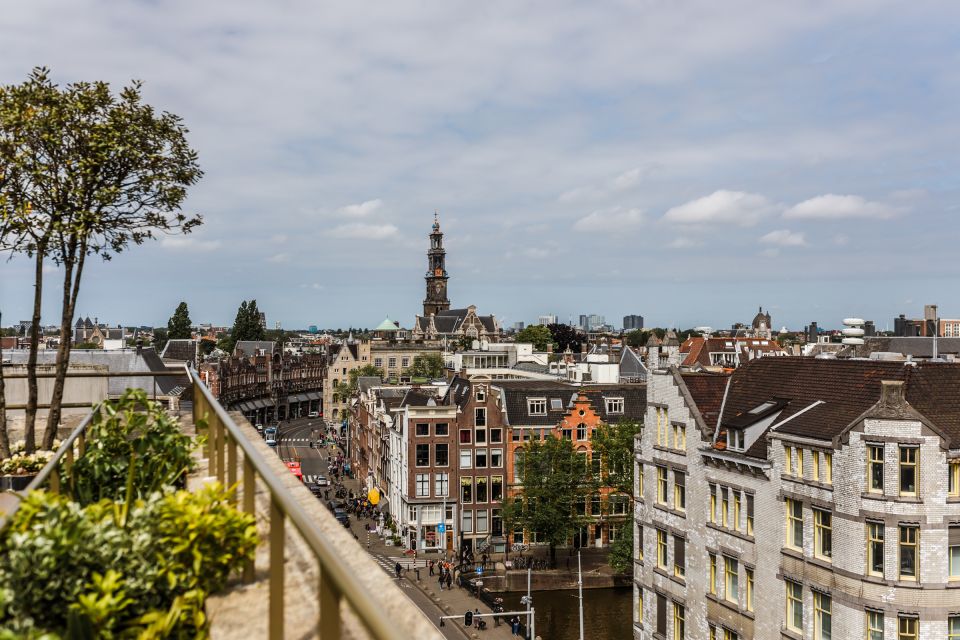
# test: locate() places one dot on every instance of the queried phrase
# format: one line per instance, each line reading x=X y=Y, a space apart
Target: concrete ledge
x=241 y=612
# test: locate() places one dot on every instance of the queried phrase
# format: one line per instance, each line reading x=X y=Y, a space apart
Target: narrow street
x=293 y=443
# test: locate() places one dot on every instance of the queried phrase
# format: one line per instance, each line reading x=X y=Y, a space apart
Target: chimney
x=892 y=393
x=583 y=347
x=550 y=348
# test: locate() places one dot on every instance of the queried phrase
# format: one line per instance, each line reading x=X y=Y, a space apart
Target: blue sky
x=688 y=161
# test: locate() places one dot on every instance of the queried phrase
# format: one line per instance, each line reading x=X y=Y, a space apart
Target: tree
x=160 y=338
x=427 y=365
x=246 y=326
x=555 y=483
x=637 y=338
x=536 y=334
x=178 y=326
x=620 y=556
x=4 y=436
x=346 y=389
x=91 y=173
x=565 y=336
x=615 y=444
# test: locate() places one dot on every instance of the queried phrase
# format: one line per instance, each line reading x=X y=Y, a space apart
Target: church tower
x=436 y=299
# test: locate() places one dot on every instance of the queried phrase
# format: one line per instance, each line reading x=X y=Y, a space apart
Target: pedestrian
x=483 y=560
x=441 y=579
x=431 y=568
x=515 y=626
x=417 y=571
x=398 y=569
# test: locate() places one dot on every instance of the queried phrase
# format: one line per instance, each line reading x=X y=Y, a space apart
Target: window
x=581 y=431
x=481 y=490
x=822 y=534
x=423 y=455
x=537 y=406
x=799 y=468
x=794 y=606
x=496 y=458
x=953 y=478
x=517 y=464
x=639 y=615
x=595 y=504
x=907 y=628
x=441 y=454
x=724 y=507
x=749 y=573
x=480 y=416
x=749 y=514
x=909 y=545
x=713 y=503
x=874 y=625
x=481 y=459
x=483 y=524
x=794 y=524
x=875 y=548
x=405 y=362
x=640 y=542
x=663 y=424
x=679 y=491
x=736 y=510
x=466 y=490
x=735 y=439
x=619 y=504
x=731 y=579
x=496 y=488
x=496 y=435
x=827 y=468
x=378 y=363
x=441 y=485
x=908 y=471
x=822 y=616
x=481 y=394
x=713 y=586
x=392 y=363
x=496 y=522
x=566 y=434
x=679 y=436
x=480 y=435
x=875 y=468
x=466 y=459
x=679 y=626
x=679 y=557
x=787 y=460
x=662 y=485
x=661 y=548
x=953 y=628
x=466 y=436
x=815 y=461
x=423 y=485
x=953 y=543
x=441 y=429
x=661 y=615
x=467 y=522
x=615 y=405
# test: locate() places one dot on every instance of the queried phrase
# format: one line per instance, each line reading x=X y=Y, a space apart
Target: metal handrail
x=336 y=579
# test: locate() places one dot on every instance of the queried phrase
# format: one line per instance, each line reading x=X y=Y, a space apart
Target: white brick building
x=802 y=499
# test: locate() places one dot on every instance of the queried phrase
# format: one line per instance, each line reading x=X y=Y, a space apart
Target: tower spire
x=436 y=277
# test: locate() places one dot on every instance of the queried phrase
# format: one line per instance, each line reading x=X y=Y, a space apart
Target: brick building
x=800 y=498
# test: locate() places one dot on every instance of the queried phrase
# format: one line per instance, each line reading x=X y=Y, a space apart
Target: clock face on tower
x=438 y=287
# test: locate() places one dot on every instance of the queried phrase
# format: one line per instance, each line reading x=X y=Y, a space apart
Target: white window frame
x=537 y=406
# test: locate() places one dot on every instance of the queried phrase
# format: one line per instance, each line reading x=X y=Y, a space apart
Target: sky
x=689 y=161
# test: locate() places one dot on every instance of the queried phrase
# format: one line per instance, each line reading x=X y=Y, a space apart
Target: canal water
x=606 y=613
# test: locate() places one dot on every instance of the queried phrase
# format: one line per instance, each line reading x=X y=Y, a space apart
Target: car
x=322 y=481
x=271 y=441
x=259 y=428
x=342 y=517
x=270 y=432
x=313 y=414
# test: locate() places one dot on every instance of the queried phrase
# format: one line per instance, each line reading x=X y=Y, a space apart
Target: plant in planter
x=19 y=469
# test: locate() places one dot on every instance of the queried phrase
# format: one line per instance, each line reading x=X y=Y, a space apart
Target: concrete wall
x=86 y=390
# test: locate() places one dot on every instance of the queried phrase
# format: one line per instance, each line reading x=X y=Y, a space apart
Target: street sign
x=442 y=528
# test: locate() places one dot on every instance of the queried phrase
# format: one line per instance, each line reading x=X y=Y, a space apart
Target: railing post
x=328 y=626
x=55 y=480
x=249 y=506
x=82 y=440
x=221 y=433
x=276 y=569
x=232 y=467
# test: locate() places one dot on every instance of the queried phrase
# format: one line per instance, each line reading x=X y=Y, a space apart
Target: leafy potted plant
x=19 y=469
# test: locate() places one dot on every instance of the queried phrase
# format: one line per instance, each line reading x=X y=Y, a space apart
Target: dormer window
x=763 y=407
x=735 y=439
x=481 y=394
x=614 y=405
x=556 y=404
x=537 y=406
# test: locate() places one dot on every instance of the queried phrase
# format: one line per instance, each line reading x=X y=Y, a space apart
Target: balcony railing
x=336 y=581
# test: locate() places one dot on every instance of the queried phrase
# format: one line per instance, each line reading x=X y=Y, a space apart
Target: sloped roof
x=634 y=401
x=181 y=349
x=387 y=325
x=631 y=365
x=418 y=398
x=459 y=391
x=706 y=390
x=515 y=395
x=254 y=347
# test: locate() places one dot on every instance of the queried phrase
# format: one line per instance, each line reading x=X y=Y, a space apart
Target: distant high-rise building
x=312 y=328
x=869 y=328
x=584 y=322
x=263 y=320
x=632 y=322
x=591 y=322
x=518 y=326
x=547 y=319
x=813 y=333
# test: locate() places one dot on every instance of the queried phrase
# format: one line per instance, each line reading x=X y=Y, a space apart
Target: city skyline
x=687 y=166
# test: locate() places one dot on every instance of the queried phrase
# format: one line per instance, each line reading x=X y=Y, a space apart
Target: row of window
x=665 y=431
x=725 y=582
x=475 y=489
x=907 y=628
x=584 y=433
x=908 y=466
x=391 y=363
x=727 y=509
x=478 y=435
x=679 y=488
x=439 y=429
x=908 y=542
x=538 y=406
x=477 y=458
x=481 y=520
x=821 y=464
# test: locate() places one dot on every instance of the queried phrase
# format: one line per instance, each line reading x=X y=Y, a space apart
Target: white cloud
x=784 y=238
x=723 y=207
x=684 y=243
x=832 y=206
x=610 y=220
x=364 y=231
x=361 y=210
x=279 y=258
x=188 y=243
